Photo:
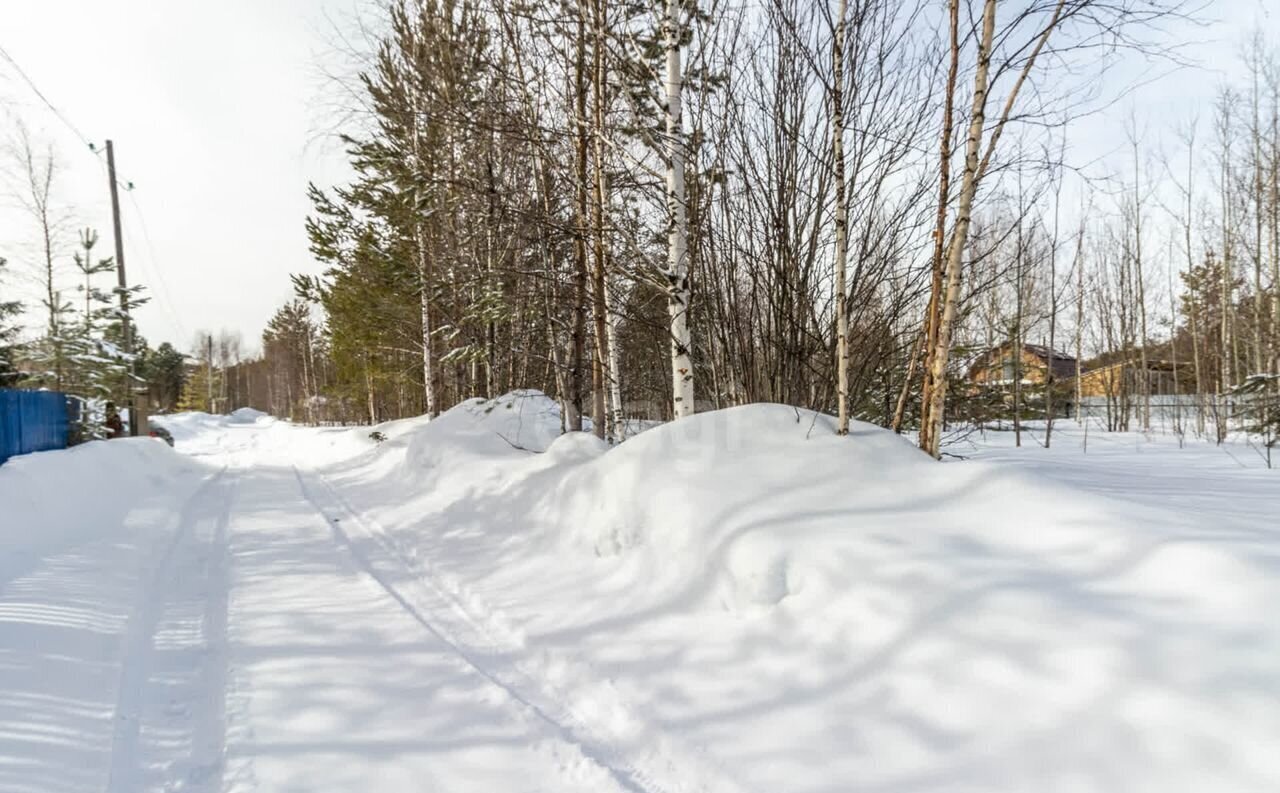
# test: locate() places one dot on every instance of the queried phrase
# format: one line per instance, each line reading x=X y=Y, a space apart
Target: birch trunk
x=934 y=313
x=1140 y=282
x=616 y=419
x=1259 y=213
x=1178 y=425
x=600 y=369
x=678 y=292
x=931 y=432
x=842 y=223
x=1226 y=298
x=1275 y=230
x=1193 y=317
x=1017 y=346
x=1053 y=331
x=1230 y=335
x=1080 y=415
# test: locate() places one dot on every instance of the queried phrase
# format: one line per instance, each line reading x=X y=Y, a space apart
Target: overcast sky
x=214 y=108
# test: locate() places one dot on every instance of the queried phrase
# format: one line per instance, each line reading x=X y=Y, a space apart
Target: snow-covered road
x=290 y=609
x=342 y=682
x=256 y=634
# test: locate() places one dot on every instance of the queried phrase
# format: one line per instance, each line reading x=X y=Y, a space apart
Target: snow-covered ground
x=738 y=602
x=1222 y=485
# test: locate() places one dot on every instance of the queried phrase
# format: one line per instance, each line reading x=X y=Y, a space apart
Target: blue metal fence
x=32 y=421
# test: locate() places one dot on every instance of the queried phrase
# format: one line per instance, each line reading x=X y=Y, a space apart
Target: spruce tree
x=91 y=371
x=50 y=355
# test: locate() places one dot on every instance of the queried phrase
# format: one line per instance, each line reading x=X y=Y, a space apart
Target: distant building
x=999 y=365
x=1117 y=378
x=1125 y=377
x=1106 y=375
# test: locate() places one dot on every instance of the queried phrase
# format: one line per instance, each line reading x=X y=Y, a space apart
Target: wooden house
x=1127 y=377
x=999 y=365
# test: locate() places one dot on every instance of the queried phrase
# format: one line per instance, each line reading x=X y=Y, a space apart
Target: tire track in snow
x=155 y=597
x=208 y=737
x=647 y=769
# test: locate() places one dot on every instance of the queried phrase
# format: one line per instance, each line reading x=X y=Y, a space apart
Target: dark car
x=163 y=434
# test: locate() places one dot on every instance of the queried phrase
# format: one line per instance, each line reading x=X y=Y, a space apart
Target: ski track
x=643 y=760
x=168 y=722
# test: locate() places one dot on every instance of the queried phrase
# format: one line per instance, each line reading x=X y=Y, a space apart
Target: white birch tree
x=677 y=273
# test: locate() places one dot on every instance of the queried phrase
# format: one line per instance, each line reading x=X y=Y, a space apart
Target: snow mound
x=248 y=416
x=824 y=612
x=118 y=478
x=521 y=422
x=187 y=424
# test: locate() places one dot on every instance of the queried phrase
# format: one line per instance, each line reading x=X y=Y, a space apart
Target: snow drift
x=51 y=500
x=736 y=602
x=811 y=613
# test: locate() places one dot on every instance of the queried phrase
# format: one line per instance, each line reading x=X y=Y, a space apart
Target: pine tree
x=290 y=346
x=195 y=390
x=203 y=381
x=165 y=369
x=373 y=312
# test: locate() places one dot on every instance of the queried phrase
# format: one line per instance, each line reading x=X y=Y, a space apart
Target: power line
x=67 y=122
x=36 y=89
x=166 y=299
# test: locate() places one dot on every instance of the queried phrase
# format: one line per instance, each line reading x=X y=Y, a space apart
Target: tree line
x=645 y=209
x=79 y=345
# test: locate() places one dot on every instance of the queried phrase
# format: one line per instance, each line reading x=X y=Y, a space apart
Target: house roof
x=1061 y=364
x=1152 y=366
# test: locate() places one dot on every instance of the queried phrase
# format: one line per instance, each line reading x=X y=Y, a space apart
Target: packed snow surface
x=736 y=602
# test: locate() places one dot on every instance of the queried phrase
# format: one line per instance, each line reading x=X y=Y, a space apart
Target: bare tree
x=34 y=192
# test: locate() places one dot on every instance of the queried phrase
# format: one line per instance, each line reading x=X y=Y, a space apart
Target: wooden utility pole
x=125 y=325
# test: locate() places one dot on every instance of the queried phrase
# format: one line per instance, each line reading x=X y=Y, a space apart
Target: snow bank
x=827 y=614
x=249 y=416
x=51 y=500
x=527 y=421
